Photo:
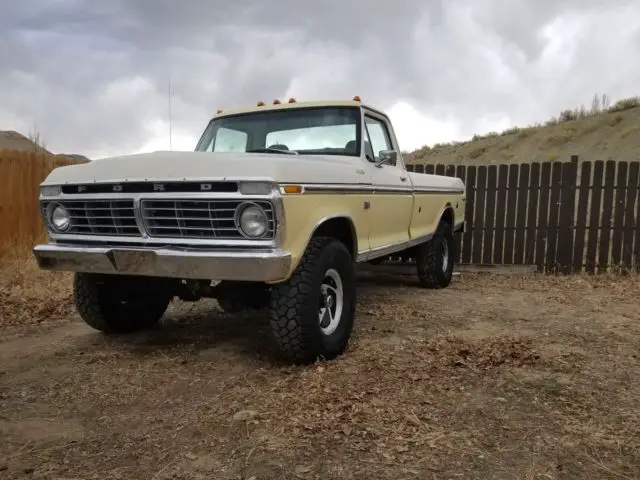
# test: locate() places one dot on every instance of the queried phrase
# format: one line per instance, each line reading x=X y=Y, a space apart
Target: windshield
x=317 y=130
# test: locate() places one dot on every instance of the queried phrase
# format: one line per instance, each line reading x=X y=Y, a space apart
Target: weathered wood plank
x=566 y=215
x=581 y=219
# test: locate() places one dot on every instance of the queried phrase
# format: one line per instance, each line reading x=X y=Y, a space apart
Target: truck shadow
x=188 y=329
x=371 y=280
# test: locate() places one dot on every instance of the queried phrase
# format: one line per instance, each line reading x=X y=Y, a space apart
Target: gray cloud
x=93 y=75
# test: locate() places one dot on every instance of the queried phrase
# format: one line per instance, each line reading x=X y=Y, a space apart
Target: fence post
x=604 y=257
x=580 y=232
x=630 y=217
x=552 y=224
x=567 y=211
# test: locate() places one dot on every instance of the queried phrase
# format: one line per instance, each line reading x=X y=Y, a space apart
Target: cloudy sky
x=92 y=76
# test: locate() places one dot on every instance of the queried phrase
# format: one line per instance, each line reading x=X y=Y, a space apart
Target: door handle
x=403 y=179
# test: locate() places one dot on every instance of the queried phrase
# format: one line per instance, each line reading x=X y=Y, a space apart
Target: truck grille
x=100 y=217
x=197 y=218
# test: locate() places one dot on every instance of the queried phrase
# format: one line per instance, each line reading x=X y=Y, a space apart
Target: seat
x=351 y=147
x=279 y=146
x=368 y=150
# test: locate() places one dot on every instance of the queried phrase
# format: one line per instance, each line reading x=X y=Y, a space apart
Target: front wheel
x=435 y=258
x=312 y=313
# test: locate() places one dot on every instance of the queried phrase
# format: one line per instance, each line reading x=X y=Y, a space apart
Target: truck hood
x=176 y=166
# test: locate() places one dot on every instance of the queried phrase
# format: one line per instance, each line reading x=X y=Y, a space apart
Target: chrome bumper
x=264 y=266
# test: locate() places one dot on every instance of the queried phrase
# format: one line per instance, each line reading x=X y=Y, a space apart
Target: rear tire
x=312 y=313
x=115 y=304
x=435 y=258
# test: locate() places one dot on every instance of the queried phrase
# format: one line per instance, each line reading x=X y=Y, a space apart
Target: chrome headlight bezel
x=54 y=208
x=251 y=208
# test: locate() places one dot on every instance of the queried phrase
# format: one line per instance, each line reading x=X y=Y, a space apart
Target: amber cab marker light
x=260 y=103
x=356 y=98
x=292 y=100
x=276 y=102
x=292 y=189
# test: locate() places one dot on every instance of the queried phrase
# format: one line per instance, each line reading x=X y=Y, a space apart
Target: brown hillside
x=600 y=134
x=11 y=140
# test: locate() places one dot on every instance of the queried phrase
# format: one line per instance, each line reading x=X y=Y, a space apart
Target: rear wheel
x=116 y=304
x=435 y=258
x=312 y=313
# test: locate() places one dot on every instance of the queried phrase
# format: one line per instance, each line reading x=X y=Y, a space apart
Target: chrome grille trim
x=198 y=218
x=98 y=217
x=274 y=198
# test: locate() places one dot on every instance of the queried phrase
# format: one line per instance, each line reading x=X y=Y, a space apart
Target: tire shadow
x=192 y=328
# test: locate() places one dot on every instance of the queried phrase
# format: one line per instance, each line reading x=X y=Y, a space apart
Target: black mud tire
x=294 y=304
x=430 y=258
x=114 y=304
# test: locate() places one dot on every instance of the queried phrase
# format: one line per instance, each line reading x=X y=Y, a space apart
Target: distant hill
x=12 y=140
x=77 y=157
x=601 y=133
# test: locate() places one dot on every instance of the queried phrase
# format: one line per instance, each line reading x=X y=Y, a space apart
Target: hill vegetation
x=603 y=132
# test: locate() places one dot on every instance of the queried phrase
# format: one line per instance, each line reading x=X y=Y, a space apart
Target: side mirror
x=386 y=157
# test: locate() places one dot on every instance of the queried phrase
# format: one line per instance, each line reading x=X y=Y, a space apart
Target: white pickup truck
x=272 y=210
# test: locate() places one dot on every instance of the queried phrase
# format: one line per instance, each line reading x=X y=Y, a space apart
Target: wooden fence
x=564 y=217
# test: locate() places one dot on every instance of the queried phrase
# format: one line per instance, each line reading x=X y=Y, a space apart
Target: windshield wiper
x=272 y=150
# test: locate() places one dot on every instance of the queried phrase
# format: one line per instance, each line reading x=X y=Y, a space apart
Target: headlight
x=58 y=217
x=252 y=220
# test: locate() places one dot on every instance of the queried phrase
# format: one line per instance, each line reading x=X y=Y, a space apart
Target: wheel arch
x=339 y=226
x=448 y=215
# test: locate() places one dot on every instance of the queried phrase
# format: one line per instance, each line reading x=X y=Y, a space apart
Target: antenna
x=169 y=100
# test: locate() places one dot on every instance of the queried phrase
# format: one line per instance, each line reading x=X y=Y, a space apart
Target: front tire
x=435 y=258
x=114 y=304
x=312 y=313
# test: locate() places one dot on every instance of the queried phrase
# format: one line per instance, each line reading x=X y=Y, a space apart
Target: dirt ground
x=493 y=378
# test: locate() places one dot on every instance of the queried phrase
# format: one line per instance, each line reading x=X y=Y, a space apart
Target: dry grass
x=499 y=377
x=29 y=295
x=21 y=173
x=601 y=133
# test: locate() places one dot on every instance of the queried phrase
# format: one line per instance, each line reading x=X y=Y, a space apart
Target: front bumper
x=258 y=266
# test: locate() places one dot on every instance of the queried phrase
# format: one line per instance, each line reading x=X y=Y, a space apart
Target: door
x=392 y=201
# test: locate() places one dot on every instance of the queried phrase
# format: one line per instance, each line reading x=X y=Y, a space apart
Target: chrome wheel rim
x=445 y=256
x=331 y=302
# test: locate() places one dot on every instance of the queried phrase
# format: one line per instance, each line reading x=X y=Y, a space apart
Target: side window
x=229 y=140
x=378 y=135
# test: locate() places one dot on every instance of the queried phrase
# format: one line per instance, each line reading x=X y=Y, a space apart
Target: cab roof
x=292 y=103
